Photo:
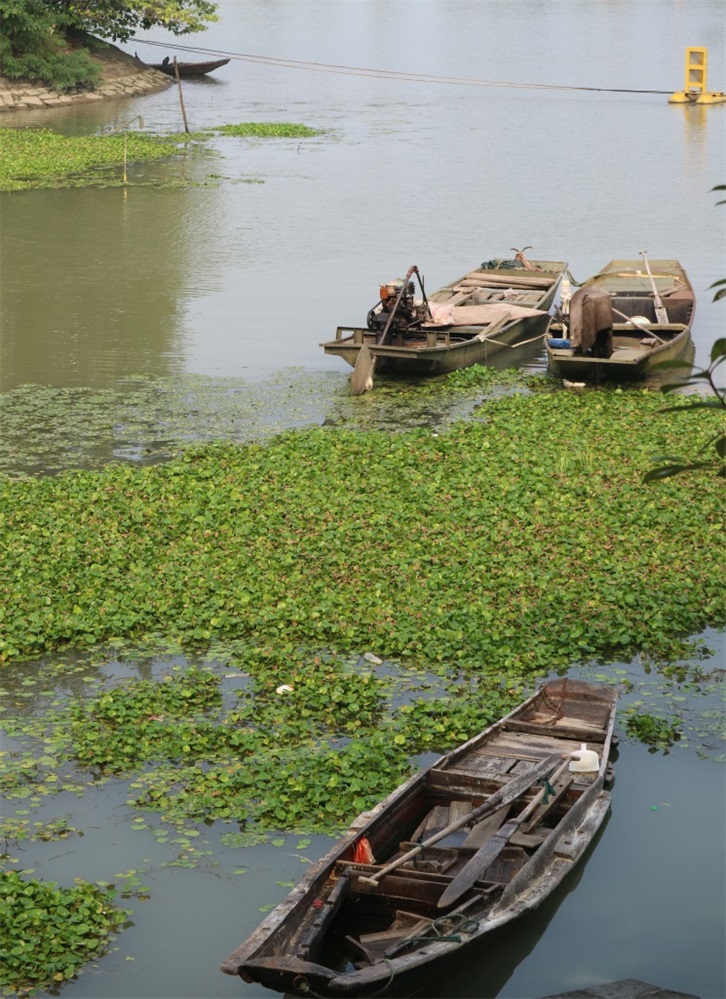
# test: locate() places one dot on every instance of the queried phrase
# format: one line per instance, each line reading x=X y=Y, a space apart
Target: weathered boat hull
x=189 y=68
x=433 y=350
x=449 y=352
x=635 y=351
x=335 y=917
x=627 y=364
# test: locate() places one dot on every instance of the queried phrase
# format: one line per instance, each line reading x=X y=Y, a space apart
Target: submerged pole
x=181 y=96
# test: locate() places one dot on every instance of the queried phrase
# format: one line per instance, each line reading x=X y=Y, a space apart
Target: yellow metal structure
x=694 y=90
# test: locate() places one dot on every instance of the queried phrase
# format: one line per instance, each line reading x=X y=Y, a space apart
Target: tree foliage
x=34 y=46
x=46 y=40
x=119 y=20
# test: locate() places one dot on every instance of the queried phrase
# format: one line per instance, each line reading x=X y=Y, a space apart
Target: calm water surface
x=241 y=277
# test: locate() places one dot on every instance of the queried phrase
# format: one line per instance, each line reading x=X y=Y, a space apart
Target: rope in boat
x=446 y=929
x=557 y=709
x=519 y=343
x=388 y=74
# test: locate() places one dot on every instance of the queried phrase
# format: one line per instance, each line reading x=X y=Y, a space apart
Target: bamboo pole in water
x=181 y=96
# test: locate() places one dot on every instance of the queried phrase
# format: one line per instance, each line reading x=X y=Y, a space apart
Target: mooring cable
x=385 y=74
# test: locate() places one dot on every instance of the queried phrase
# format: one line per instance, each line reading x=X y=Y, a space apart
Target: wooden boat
x=456 y=852
x=599 y=341
x=495 y=306
x=188 y=68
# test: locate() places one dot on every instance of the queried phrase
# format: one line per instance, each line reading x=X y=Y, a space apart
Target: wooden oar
x=488 y=853
x=503 y=796
x=660 y=311
x=362 y=378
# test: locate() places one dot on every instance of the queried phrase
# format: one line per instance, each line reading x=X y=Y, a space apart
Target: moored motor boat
x=500 y=305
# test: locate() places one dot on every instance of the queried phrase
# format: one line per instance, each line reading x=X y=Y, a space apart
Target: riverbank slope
x=122 y=75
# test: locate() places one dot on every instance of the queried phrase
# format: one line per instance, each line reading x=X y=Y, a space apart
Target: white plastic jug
x=584 y=761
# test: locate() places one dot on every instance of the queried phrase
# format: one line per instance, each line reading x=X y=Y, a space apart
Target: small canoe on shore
x=500 y=305
x=188 y=68
x=461 y=849
x=623 y=321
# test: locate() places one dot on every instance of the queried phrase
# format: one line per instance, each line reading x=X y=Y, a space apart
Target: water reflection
x=93 y=284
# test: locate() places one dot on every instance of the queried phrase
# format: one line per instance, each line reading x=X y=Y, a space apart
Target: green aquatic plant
x=50 y=932
x=43 y=158
x=33 y=158
x=660 y=733
x=268 y=130
x=146 y=720
x=474 y=547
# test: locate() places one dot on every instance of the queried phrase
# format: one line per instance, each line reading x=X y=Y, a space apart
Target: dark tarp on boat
x=591 y=322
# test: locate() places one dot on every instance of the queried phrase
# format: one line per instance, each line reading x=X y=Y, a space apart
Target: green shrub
x=34 y=46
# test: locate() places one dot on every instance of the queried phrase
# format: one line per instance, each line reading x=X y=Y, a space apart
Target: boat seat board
x=567 y=743
x=564 y=726
x=484 y=764
x=436 y=820
x=529 y=840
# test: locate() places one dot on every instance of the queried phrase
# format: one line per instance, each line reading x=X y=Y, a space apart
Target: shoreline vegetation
x=42 y=158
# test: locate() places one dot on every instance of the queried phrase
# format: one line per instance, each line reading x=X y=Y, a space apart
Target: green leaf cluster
x=273 y=759
x=49 y=932
x=660 y=733
x=145 y=721
x=268 y=130
x=519 y=541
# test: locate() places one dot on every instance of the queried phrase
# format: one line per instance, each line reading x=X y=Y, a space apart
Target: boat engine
x=409 y=312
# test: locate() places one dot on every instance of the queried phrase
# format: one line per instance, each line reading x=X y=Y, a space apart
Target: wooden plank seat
x=568 y=727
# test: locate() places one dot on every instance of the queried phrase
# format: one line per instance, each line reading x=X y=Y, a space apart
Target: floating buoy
x=694 y=89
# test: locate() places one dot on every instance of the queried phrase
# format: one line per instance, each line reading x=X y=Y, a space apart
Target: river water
x=237 y=278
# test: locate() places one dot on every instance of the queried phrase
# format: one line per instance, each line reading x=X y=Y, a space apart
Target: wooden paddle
x=660 y=311
x=516 y=787
x=489 y=852
x=362 y=378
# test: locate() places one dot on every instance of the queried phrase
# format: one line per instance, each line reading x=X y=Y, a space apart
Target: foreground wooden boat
x=495 y=306
x=188 y=68
x=598 y=341
x=502 y=820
